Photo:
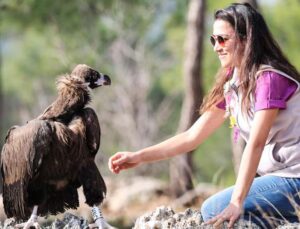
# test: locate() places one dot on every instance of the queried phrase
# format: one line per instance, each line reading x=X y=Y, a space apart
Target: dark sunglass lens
x=221 y=40
x=212 y=40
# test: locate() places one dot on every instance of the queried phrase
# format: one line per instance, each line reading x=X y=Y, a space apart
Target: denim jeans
x=271 y=201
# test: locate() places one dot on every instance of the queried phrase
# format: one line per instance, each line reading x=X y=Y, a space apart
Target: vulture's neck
x=70 y=88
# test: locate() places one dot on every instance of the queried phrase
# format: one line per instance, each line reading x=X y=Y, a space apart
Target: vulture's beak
x=103 y=80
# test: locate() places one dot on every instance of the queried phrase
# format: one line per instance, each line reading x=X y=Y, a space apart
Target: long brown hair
x=260 y=48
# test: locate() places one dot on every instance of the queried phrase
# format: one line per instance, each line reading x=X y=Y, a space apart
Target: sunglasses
x=217 y=38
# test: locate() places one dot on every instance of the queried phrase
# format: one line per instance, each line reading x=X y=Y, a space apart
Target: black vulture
x=45 y=161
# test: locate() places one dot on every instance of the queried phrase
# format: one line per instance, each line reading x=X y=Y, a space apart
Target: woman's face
x=225 y=43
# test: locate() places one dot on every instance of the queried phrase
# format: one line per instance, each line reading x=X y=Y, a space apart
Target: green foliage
x=284 y=21
x=216 y=5
x=18 y=70
x=172 y=80
x=43 y=38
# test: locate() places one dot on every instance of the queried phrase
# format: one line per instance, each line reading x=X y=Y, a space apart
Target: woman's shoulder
x=278 y=75
x=276 y=79
x=273 y=90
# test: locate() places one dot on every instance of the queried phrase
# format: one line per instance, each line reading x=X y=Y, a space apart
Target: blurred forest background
x=140 y=45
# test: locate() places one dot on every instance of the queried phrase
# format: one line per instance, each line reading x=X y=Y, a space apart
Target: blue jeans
x=271 y=201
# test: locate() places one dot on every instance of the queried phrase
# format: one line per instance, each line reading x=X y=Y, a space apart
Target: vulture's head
x=90 y=76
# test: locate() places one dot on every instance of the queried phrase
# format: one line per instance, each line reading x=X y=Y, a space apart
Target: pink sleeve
x=273 y=91
x=222 y=105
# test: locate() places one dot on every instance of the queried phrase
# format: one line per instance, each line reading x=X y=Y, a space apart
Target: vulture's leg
x=99 y=221
x=32 y=221
x=94 y=190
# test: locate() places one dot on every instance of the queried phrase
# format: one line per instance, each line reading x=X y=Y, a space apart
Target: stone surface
x=165 y=218
x=9 y=223
x=290 y=226
x=69 y=221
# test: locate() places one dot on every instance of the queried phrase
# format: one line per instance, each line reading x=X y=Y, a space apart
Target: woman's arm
x=263 y=121
x=181 y=143
x=251 y=156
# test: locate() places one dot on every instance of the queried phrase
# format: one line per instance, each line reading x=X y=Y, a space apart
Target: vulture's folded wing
x=93 y=131
x=21 y=156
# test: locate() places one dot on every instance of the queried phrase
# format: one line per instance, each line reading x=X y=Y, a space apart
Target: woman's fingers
x=218 y=220
x=218 y=223
x=230 y=214
x=231 y=222
x=115 y=162
x=121 y=161
x=212 y=220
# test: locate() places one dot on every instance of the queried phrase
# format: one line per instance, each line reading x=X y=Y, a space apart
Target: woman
x=259 y=89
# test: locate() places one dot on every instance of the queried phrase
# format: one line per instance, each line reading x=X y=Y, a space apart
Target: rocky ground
x=134 y=204
x=69 y=221
x=166 y=218
x=126 y=200
x=161 y=218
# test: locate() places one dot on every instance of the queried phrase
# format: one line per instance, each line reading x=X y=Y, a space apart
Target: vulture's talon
x=28 y=225
x=101 y=224
x=36 y=225
x=93 y=225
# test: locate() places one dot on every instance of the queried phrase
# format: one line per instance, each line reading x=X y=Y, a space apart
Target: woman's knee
x=206 y=210
x=211 y=207
x=215 y=204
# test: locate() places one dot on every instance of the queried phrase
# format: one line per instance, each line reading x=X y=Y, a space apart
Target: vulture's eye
x=88 y=78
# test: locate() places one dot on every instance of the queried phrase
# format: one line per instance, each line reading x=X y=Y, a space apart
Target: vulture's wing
x=21 y=156
x=94 y=187
x=93 y=131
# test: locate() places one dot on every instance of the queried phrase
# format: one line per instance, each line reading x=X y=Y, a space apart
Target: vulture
x=45 y=161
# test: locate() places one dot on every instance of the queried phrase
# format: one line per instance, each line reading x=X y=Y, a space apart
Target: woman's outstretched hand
x=122 y=160
x=230 y=214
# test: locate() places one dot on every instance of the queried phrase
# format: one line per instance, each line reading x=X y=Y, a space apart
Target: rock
x=2 y=214
x=290 y=226
x=9 y=223
x=69 y=221
x=165 y=218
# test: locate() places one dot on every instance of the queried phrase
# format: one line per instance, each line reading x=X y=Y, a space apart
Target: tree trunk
x=239 y=144
x=181 y=166
x=1 y=113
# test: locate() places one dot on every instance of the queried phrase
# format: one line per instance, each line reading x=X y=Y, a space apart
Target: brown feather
x=73 y=95
x=18 y=154
x=15 y=163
